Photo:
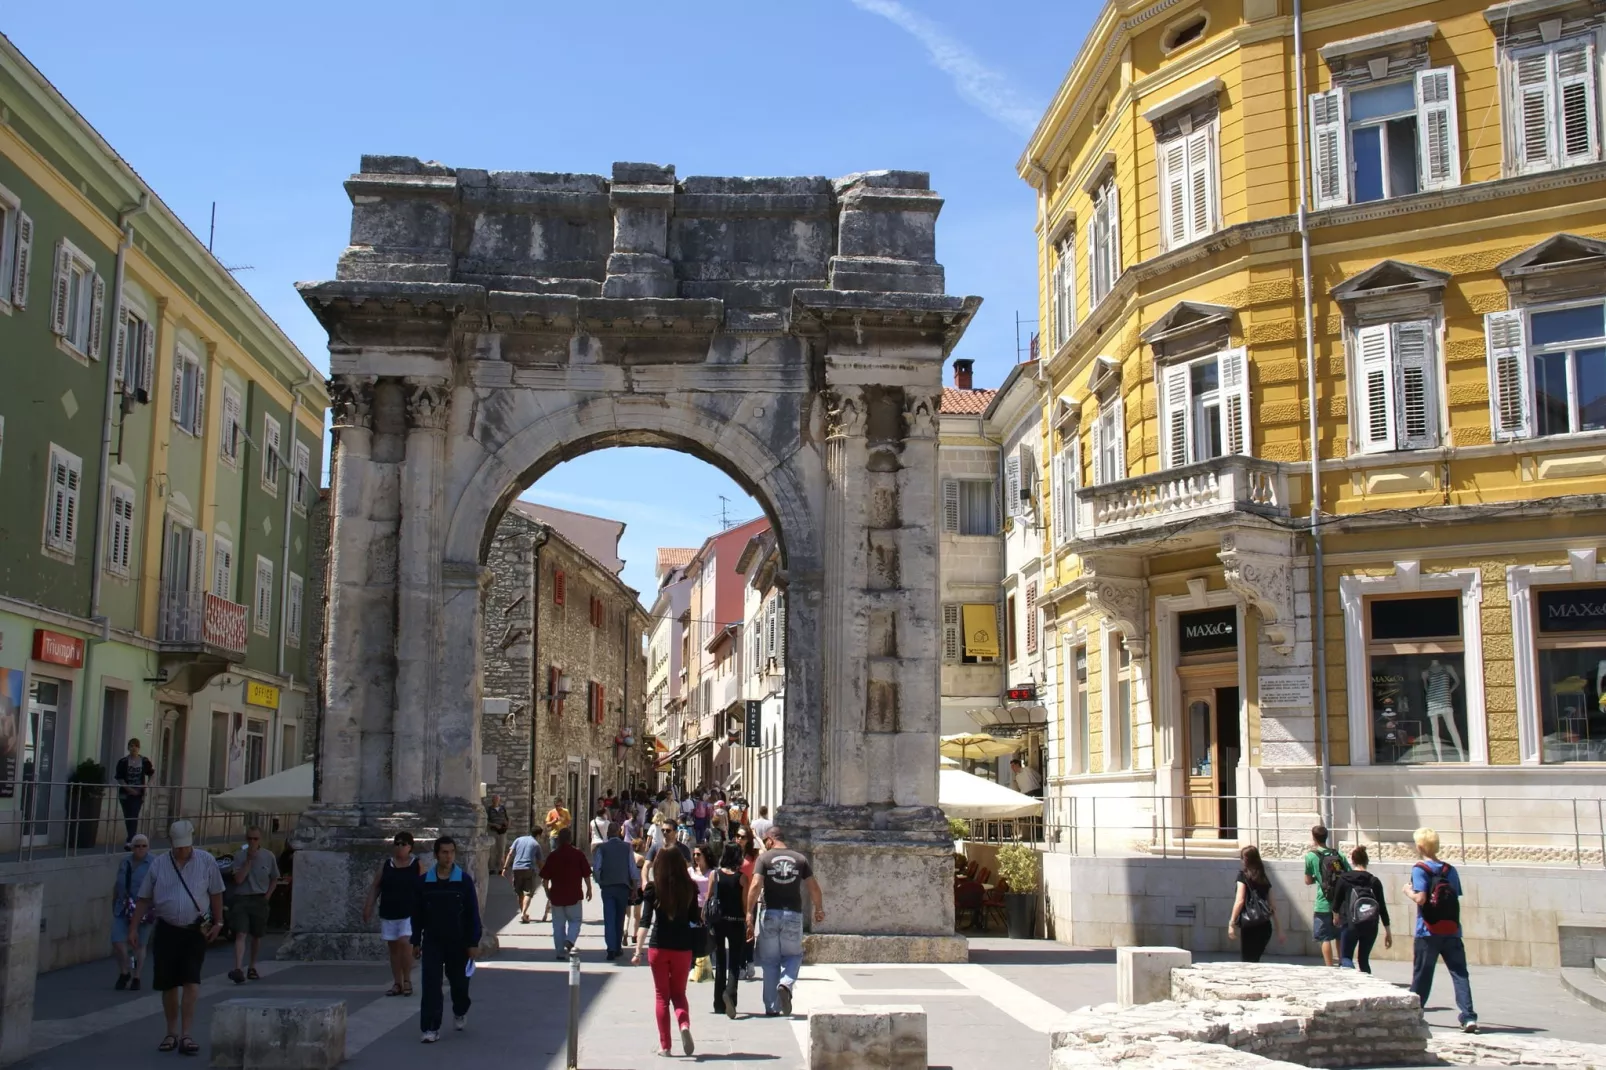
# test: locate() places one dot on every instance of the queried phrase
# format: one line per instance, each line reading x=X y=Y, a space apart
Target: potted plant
x=86 y=788
x=959 y=828
x=1017 y=864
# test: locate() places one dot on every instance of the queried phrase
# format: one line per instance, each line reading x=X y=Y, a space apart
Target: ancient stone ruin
x=485 y=326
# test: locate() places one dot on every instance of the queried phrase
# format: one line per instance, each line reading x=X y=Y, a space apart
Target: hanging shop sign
x=261 y=695
x=58 y=649
x=1207 y=630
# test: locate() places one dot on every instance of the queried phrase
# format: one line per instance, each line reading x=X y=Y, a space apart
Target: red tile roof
x=965 y=402
x=674 y=556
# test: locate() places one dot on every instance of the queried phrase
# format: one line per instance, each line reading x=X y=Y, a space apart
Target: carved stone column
x=1117 y=592
x=1259 y=569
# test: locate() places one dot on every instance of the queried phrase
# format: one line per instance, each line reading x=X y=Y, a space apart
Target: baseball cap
x=139 y=840
x=182 y=834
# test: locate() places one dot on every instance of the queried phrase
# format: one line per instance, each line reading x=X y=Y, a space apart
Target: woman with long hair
x=639 y=848
x=702 y=870
x=727 y=928
x=749 y=847
x=1252 y=913
x=668 y=910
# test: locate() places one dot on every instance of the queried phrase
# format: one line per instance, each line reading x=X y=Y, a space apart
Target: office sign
x=1210 y=629
x=261 y=695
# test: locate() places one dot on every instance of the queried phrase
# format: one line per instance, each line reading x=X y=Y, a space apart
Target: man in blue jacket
x=446 y=935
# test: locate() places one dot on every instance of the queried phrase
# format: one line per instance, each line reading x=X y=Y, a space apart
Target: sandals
x=252 y=975
x=168 y=1043
x=187 y=1046
x=407 y=988
x=395 y=990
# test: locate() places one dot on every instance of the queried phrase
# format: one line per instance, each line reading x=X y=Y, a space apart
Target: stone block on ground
x=871 y=1037
x=21 y=906
x=278 y=1034
x=1159 y=1053
x=1482 y=1049
x=1143 y=974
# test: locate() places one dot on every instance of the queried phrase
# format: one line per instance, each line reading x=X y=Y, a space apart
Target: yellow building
x=1376 y=226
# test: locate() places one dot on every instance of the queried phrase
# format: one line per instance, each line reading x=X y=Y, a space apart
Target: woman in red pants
x=668 y=910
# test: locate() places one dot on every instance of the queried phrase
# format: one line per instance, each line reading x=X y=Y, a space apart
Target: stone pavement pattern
x=998 y=1009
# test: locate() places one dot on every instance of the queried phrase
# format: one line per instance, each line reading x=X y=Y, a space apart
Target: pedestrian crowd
x=1351 y=909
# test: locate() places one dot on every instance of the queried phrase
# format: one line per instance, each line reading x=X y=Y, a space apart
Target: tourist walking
x=761 y=824
x=255 y=875
x=522 y=864
x=701 y=811
x=1254 y=919
x=779 y=877
x=599 y=827
x=1323 y=867
x=446 y=936
x=395 y=891
x=132 y=772
x=668 y=907
x=1435 y=888
x=727 y=936
x=496 y=821
x=1361 y=908
x=749 y=845
x=125 y=893
x=562 y=875
x=176 y=887
x=614 y=864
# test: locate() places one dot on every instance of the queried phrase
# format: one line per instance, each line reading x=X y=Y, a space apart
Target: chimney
x=962 y=378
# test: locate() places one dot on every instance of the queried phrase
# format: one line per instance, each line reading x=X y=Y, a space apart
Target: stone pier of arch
x=485 y=326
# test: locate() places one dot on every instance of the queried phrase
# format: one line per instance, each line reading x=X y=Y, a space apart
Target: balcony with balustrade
x=1206 y=495
x=199 y=635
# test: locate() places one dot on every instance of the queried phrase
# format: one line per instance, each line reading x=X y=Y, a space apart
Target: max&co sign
x=1210 y=629
x=1579 y=609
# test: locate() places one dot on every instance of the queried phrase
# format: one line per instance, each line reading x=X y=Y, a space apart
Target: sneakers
x=686 y=1041
x=459 y=1021
x=429 y=1036
x=1469 y=1026
x=783 y=997
x=122 y=982
x=749 y=972
x=730 y=1002
x=237 y=975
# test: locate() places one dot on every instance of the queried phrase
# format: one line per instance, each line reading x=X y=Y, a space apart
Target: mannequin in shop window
x=1441 y=682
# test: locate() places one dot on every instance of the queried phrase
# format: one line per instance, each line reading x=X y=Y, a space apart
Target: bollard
x=574 y=1008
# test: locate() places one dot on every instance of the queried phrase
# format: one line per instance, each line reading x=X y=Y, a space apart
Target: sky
x=266 y=109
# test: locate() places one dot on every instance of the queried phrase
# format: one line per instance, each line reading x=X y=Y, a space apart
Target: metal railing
x=56 y=819
x=200 y=617
x=1473 y=830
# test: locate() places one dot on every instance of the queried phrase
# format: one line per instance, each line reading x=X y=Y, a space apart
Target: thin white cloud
x=990 y=91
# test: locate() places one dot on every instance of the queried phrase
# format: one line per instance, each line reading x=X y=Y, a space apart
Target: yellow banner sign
x=980 y=621
x=261 y=694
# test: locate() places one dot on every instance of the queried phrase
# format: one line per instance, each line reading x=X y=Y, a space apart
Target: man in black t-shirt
x=779 y=878
x=133 y=772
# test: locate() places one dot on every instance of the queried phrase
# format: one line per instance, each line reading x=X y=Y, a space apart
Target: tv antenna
x=725 y=521
x=211 y=234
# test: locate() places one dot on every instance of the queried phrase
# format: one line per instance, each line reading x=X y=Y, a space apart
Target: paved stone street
x=997 y=1009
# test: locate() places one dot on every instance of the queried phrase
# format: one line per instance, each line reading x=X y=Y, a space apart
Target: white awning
x=960 y=794
x=288 y=792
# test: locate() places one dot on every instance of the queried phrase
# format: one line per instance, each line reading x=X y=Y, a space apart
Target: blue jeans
x=566 y=919
x=1425 y=955
x=615 y=905
x=780 y=952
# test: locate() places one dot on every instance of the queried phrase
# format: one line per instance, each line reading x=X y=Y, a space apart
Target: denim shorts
x=1322 y=928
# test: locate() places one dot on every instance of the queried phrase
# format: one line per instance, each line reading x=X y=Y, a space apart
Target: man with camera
x=175 y=889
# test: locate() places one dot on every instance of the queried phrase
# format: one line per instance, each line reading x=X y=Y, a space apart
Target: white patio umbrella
x=289 y=792
x=962 y=795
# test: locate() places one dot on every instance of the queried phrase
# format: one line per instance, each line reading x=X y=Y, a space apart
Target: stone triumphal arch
x=484 y=326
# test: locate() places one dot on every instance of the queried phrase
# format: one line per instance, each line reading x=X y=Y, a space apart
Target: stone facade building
x=565 y=669
x=666 y=674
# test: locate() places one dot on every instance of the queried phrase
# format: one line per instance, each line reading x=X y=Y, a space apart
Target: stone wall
x=526 y=633
x=315 y=610
x=1510 y=913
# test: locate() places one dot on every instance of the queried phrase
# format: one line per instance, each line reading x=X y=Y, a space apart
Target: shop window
x=1417 y=668
x=1571 y=628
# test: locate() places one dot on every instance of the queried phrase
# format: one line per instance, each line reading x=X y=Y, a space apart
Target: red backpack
x=1441 y=911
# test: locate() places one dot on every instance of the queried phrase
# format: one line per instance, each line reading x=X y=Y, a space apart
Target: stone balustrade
x=1217 y=486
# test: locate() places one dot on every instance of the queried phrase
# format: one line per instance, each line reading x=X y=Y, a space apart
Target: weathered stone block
x=278 y=1034
x=872 y=1037
x=20 y=908
x=1143 y=974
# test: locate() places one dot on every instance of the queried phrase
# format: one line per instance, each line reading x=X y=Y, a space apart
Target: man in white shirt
x=1027 y=782
x=762 y=824
x=185 y=892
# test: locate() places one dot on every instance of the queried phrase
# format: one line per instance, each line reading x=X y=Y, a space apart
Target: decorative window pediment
x=1376 y=57
x=1104 y=375
x=1561 y=266
x=1391 y=290
x=1189 y=327
x=1067 y=413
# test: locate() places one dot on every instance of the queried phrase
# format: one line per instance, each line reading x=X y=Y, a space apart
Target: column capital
x=1118 y=595
x=428 y=402
x=920 y=415
x=351 y=398
x=1258 y=568
x=845 y=412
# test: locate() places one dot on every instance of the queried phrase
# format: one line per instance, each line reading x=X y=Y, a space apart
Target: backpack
x=1255 y=911
x=700 y=810
x=1330 y=869
x=1358 y=903
x=1441 y=912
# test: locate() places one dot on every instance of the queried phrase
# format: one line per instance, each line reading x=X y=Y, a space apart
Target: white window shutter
x=222 y=568
x=114 y=546
x=1119 y=405
x=200 y=398
x=950 y=632
x=1059 y=515
x=780 y=628
x=1029 y=476
x=1438 y=138
x=1532 y=110
x=293 y=610
x=1576 y=87
x=20 y=262
x=120 y=346
x=1174 y=192
x=197 y=563
x=122 y=540
x=1098 y=450
x=1201 y=182
x=1174 y=388
x=1012 y=486
x=97 y=317
x=950 y=506
x=1095 y=288
x=1238 y=436
x=60 y=289
x=1508 y=375
x=1081 y=509
x=1329 y=149
x=1113 y=207
x=178 y=388
x=147 y=360
x=1375 y=390
x=1416 y=407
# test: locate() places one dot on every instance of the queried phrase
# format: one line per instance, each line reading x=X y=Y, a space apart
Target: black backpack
x=1329 y=869
x=1441 y=911
x=1358 y=903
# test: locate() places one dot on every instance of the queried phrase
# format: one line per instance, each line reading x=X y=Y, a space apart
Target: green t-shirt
x=1313 y=870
